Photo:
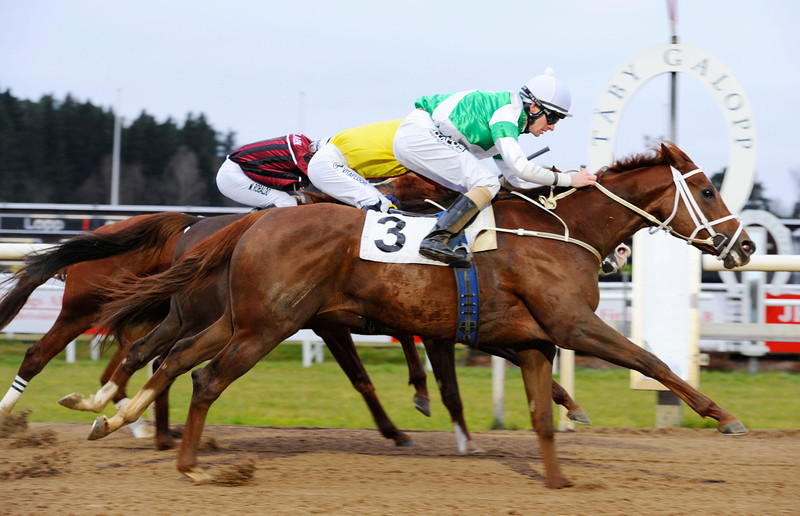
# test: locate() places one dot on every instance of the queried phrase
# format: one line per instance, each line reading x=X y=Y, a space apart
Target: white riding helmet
x=548 y=92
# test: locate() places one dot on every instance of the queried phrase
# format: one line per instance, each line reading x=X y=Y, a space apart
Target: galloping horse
x=533 y=292
x=139 y=246
x=188 y=316
x=193 y=315
x=143 y=245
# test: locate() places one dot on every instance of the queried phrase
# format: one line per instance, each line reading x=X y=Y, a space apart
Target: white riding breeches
x=329 y=171
x=419 y=146
x=235 y=185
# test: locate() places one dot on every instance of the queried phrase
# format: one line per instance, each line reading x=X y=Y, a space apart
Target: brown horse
x=140 y=245
x=533 y=292
x=193 y=315
x=189 y=316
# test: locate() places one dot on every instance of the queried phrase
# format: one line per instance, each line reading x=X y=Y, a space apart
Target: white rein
x=682 y=192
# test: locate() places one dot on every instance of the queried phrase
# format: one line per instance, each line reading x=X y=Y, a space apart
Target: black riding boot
x=437 y=244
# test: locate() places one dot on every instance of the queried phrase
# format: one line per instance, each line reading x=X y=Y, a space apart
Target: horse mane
x=652 y=157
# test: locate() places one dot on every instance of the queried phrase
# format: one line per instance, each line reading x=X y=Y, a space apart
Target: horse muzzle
x=738 y=255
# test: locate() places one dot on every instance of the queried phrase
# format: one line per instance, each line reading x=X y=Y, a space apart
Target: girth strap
x=467 y=291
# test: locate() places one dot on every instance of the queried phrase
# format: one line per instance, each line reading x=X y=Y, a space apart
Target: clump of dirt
x=34 y=439
x=44 y=465
x=14 y=423
x=235 y=474
x=208 y=444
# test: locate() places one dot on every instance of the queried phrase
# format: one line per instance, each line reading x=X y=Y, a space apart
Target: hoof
x=733 y=428
x=406 y=443
x=99 y=428
x=423 y=405
x=559 y=483
x=71 y=401
x=142 y=430
x=579 y=417
x=162 y=444
x=198 y=476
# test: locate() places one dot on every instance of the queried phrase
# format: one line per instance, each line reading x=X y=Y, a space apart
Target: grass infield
x=279 y=391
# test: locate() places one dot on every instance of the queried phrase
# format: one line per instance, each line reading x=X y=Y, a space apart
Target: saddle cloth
x=395 y=237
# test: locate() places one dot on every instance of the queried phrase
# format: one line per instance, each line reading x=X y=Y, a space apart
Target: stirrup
x=438 y=250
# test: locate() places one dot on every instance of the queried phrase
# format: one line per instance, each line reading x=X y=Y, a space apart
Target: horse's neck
x=590 y=216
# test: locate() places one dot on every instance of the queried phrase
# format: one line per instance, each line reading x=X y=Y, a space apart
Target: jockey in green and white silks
x=446 y=136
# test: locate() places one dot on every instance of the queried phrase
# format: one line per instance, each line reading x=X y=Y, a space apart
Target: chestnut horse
x=533 y=292
x=138 y=246
x=193 y=315
x=142 y=245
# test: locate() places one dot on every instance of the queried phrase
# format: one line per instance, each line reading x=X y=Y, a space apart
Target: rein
x=716 y=240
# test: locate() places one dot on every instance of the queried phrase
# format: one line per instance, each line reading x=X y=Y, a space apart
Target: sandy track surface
x=269 y=470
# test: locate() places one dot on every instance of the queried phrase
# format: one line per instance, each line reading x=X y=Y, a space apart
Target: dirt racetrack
x=52 y=468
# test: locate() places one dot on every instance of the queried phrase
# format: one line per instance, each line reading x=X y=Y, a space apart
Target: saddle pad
x=395 y=237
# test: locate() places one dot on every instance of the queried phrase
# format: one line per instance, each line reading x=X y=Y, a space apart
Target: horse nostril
x=748 y=247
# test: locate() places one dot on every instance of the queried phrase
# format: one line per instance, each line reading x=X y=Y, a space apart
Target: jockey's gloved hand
x=394 y=202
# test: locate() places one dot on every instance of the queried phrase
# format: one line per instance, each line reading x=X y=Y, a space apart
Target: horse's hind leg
x=343 y=350
x=537 y=375
x=442 y=357
x=575 y=412
x=186 y=354
x=243 y=351
x=416 y=374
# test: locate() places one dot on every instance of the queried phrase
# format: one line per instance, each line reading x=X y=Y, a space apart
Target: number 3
x=400 y=238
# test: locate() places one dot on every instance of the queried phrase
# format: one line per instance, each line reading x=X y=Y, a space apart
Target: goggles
x=551 y=116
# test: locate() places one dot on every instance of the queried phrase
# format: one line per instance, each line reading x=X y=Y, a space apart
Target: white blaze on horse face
x=461 y=438
x=531 y=406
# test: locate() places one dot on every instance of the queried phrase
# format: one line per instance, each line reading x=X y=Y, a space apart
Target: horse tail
x=136 y=234
x=132 y=296
x=145 y=232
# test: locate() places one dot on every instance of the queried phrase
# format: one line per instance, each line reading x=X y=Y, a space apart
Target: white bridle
x=716 y=240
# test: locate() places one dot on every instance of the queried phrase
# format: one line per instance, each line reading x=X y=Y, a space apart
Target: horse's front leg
x=591 y=335
x=537 y=375
x=442 y=356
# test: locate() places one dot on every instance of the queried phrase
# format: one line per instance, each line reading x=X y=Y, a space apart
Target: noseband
x=719 y=242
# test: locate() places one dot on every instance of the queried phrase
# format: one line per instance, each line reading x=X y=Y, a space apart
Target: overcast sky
x=264 y=68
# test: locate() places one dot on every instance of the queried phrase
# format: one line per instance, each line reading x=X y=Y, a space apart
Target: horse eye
x=708 y=193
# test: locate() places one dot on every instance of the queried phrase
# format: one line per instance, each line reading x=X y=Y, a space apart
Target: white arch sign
x=715 y=76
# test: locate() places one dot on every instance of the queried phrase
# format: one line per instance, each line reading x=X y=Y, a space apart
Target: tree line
x=61 y=152
x=55 y=151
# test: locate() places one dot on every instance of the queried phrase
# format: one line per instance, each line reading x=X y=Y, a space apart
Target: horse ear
x=666 y=151
x=674 y=156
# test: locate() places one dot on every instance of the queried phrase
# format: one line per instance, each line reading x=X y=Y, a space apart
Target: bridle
x=719 y=242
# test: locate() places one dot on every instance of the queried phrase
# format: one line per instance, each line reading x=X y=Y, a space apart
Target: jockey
x=261 y=174
x=343 y=164
x=445 y=137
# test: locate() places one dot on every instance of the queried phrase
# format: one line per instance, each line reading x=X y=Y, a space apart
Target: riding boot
x=439 y=243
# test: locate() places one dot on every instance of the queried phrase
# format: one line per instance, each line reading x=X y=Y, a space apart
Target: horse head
x=680 y=199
